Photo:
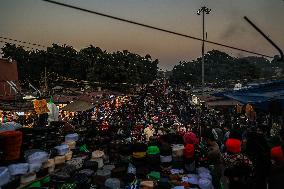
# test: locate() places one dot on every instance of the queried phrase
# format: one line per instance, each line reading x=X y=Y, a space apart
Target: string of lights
x=24 y=46
x=19 y=41
x=15 y=42
x=154 y=28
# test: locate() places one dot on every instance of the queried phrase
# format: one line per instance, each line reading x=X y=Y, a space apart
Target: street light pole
x=203 y=10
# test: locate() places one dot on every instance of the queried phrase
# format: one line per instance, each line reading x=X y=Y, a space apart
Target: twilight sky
x=44 y=23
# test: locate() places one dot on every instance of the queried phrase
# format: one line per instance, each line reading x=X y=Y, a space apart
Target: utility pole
x=203 y=10
x=45 y=81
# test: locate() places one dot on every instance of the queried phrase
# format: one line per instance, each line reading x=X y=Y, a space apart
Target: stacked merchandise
x=35 y=163
x=70 y=165
x=44 y=138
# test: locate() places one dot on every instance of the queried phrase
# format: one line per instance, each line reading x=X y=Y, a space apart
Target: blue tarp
x=261 y=94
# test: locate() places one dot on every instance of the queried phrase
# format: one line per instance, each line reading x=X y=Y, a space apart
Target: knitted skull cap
x=233 y=145
x=165 y=149
x=277 y=153
x=97 y=154
x=154 y=175
x=188 y=151
x=153 y=150
x=190 y=138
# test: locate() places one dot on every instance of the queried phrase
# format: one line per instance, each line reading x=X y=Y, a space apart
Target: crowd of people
x=158 y=133
x=240 y=152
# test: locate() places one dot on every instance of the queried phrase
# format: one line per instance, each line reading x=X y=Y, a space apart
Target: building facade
x=9 y=80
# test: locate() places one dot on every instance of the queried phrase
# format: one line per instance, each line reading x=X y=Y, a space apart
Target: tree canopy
x=219 y=66
x=98 y=66
x=91 y=63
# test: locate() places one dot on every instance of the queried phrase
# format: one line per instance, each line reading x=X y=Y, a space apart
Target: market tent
x=78 y=106
x=260 y=95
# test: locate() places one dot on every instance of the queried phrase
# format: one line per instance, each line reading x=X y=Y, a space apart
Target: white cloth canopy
x=53 y=113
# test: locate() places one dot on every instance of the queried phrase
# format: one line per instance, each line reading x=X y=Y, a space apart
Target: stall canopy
x=78 y=106
x=260 y=95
